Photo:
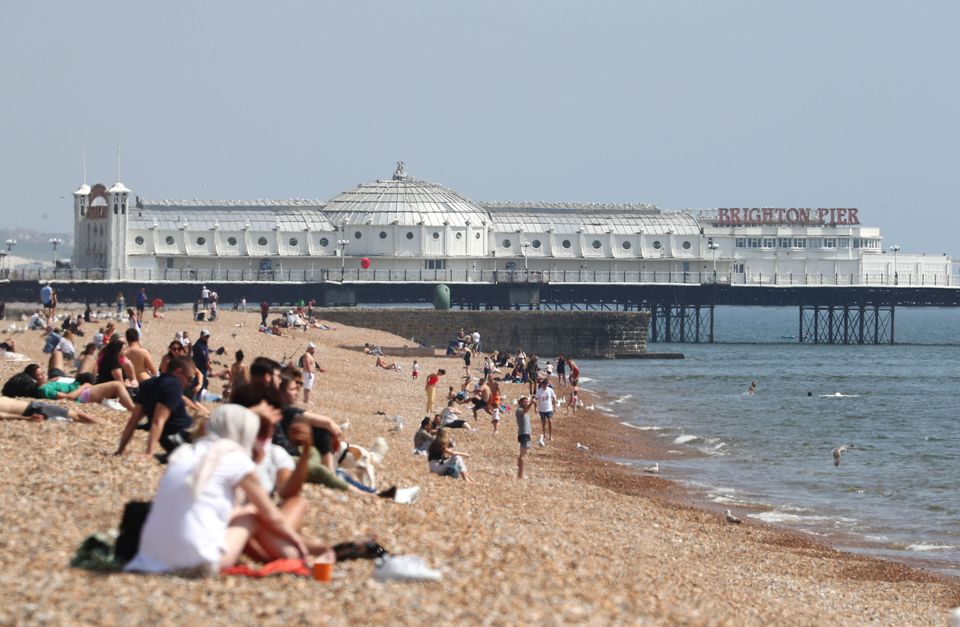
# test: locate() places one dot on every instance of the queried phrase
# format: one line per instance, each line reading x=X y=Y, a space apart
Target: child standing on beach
x=524 y=431
x=415 y=370
x=574 y=399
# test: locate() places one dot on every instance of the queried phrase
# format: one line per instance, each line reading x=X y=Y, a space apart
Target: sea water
x=768 y=455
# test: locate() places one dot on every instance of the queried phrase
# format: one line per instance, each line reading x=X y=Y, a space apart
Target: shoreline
x=582 y=540
x=640 y=444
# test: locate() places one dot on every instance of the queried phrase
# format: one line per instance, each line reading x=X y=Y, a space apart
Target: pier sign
x=762 y=216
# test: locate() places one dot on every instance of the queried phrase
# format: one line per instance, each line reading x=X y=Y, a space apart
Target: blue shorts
x=524 y=440
x=546 y=415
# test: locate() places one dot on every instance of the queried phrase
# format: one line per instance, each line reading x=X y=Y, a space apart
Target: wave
x=640 y=427
x=838 y=395
x=623 y=398
x=685 y=438
x=930 y=547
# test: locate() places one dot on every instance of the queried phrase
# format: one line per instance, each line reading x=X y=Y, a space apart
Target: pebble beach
x=582 y=540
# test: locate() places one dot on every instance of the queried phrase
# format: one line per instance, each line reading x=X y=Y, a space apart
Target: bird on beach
x=840 y=450
x=730 y=518
x=541 y=442
x=653 y=469
x=582 y=447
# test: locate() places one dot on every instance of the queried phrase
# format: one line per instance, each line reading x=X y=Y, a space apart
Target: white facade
x=406 y=225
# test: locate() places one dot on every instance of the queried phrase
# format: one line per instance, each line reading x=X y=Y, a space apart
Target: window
x=565 y=243
x=409 y=235
x=741 y=242
x=769 y=242
x=506 y=243
x=657 y=245
x=535 y=243
x=626 y=245
x=436 y=235
x=201 y=241
x=262 y=241
x=843 y=242
x=596 y=244
x=783 y=242
x=293 y=242
x=357 y=235
x=476 y=236
x=232 y=241
x=686 y=245
x=753 y=242
x=435 y=264
x=324 y=242
x=815 y=242
x=459 y=235
x=383 y=235
x=829 y=242
x=169 y=240
x=139 y=240
x=799 y=242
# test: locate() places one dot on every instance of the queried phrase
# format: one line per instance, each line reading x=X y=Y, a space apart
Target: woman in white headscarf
x=194 y=524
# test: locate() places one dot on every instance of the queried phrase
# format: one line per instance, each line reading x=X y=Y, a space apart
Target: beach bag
x=131 y=524
x=20 y=385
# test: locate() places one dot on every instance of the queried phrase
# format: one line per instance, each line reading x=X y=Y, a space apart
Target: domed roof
x=83 y=190
x=404 y=200
x=118 y=188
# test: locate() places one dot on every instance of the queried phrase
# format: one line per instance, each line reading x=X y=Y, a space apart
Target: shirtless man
x=308 y=367
x=17 y=409
x=139 y=356
x=481 y=398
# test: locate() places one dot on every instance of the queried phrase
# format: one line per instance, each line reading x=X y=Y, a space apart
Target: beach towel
x=276 y=567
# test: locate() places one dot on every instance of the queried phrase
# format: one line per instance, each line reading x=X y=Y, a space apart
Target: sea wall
x=581 y=334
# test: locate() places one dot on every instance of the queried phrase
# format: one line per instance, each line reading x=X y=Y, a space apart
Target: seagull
x=541 y=442
x=840 y=450
x=653 y=469
x=582 y=447
x=730 y=518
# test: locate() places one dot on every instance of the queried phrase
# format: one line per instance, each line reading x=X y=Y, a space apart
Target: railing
x=349 y=275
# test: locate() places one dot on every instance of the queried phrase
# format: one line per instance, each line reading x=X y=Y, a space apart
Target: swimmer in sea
x=752 y=388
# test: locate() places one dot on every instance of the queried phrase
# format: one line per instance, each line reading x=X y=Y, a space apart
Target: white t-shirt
x=275 y=460
x=546 y=398
x=476 y=337
x=186 y=532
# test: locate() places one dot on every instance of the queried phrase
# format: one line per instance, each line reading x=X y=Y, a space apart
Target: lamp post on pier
x=896 y=276
x=55 y=241
x=714 y=247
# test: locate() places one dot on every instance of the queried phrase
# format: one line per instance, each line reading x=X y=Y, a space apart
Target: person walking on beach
x=308 y=366
x=524 y=432
x=141 y=302
x=121 y=303
x=533 y=372
x=546 y=402
x=415 y=370
x=432 y=379
x=205 y=296
x=264 y=312
x=561 y=370
x=201 y=356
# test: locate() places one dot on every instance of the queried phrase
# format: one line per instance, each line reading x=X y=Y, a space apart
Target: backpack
x=21 y=384
x=131 y=525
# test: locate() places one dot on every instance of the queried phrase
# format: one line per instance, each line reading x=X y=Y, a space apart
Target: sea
x=768 y=455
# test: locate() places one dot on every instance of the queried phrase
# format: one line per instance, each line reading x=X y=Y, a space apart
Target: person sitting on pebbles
x=381 y=363
x=444 y=460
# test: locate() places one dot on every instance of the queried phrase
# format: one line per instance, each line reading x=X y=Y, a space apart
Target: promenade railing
x=582 y=276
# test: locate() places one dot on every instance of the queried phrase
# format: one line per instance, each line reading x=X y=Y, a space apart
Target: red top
x=433 y=378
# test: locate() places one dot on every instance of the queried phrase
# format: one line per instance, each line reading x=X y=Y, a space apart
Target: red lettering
x=735 y=216
x=842 y=216
x=767 y=215
x=804 y=215
x=792 y=215
x=754 y=216
x=821 y=213
x=723 y=216
x=833 y=217
x=852 y=213
x=779 y=213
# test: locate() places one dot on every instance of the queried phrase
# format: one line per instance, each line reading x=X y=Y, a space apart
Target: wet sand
x=583 y=540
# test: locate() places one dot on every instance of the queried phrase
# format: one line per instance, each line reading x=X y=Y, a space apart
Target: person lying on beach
x=276 y=330
x=371 y=349
x=381 y=363
x=196 y=523
x=8 y=345
x=450 y=418
x=444 y=460
x=86 y=392
x=17 y=409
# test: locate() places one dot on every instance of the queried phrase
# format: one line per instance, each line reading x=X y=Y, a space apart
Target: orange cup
x=323 y=571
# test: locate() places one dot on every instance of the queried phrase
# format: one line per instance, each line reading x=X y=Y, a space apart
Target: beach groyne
x=582 y=334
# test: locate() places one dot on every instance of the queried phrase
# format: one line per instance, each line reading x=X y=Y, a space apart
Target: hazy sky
x=683 y=104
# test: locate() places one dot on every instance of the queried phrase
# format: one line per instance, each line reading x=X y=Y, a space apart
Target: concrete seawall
x=578 y=334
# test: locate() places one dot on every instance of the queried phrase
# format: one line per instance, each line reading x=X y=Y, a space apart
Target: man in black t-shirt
x=161 y=401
